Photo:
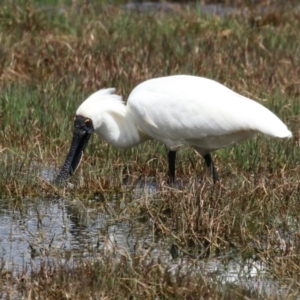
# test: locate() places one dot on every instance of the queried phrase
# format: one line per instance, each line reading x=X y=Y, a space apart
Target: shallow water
x=59 y=231
x=209 y=9
x=204 y=9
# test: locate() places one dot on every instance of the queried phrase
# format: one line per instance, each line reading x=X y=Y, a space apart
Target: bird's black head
x=83 y=128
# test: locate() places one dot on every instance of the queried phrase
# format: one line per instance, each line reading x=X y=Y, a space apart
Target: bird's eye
x=88 y=122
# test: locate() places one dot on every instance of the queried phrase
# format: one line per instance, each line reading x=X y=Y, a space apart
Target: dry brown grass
x=50 y=61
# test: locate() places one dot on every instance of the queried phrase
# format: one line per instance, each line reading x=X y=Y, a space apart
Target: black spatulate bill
x=83 y=129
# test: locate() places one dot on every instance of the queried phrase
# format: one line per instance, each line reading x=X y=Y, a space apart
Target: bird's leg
x=172 y=158
x=211 y=167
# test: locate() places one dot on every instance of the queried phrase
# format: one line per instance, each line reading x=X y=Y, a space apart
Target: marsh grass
x=52 y=59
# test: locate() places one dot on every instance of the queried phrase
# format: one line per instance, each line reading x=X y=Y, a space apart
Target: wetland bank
x=117 y=230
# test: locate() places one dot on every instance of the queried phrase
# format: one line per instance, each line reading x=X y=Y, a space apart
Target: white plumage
x=199 y=112
x=180 y=110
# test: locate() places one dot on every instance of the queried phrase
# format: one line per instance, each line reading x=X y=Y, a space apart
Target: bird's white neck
x=112 y=119
x=120 y=130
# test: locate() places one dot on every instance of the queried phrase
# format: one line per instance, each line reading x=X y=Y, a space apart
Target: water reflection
x=63 y=231
x=207 y=8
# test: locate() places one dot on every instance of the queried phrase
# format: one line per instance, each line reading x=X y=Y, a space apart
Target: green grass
x=50 y=62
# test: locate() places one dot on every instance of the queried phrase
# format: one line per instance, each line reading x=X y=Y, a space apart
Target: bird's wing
x=193 y=108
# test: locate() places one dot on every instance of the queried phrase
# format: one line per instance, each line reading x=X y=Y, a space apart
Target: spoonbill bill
x=175 y=110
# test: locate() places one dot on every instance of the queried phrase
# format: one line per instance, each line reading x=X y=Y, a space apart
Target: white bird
x=175 y=110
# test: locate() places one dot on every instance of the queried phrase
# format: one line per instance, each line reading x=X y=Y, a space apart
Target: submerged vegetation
x=53 y=56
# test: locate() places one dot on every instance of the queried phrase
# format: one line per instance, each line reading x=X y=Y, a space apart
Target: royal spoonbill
x=176 y=110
